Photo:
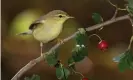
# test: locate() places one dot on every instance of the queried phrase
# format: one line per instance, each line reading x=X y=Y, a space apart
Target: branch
x=116 y=11
x=122 y=9
x=33 y=62
x=107 y=22
x=131 y=39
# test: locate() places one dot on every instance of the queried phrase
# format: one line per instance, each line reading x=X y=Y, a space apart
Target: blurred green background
x=17 y=15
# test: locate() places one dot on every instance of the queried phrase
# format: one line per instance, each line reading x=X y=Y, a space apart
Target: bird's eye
x=60 y=16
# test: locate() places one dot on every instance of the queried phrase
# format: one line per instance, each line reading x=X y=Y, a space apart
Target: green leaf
x=79 y=52
x=130 y=60
x=131 y=65
x=66 y=73
x=126 y=61
x=130 y=10
x=130 y=7
x=26 y=78
x=130 y=3
x=62 y=73
x=52 y=58
x=117 y=58
x=84 y=51
x=70 y=60
x=81 y=39
x=123 y=65
x=59 y=73
x=97 y=18
x=34 y=77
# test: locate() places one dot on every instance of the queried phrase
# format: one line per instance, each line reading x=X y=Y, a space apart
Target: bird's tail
x=25 y=33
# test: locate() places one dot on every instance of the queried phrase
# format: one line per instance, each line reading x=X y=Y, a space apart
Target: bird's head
x=58 y=16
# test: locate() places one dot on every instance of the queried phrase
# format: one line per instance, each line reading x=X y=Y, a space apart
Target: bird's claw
x=82 y=30
x=60 y=41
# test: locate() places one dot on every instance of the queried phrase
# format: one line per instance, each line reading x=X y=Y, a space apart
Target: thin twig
x=122 y=9
x=131 y=39
x=97 y=26
x=33 y=62
x=77 y=73
x=131 y=22
x=115 y=14
x=96 y=36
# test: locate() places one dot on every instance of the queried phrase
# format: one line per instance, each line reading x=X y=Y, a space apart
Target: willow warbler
x=48 y=27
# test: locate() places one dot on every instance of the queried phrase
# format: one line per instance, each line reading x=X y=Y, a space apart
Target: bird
x=48 y=27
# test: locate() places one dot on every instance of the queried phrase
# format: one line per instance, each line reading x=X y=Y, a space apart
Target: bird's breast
x=47 y=32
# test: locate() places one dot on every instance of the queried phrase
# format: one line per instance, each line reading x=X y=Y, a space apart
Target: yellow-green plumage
x=49 y=26
x=47 y=32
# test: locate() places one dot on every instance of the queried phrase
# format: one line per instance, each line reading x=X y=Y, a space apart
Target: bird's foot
x=82 y=30
x=60 y=41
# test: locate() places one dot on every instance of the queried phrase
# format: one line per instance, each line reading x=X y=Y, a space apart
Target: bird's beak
x=70 y=17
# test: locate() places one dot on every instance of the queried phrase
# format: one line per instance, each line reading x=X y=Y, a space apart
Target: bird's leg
x=41 y=46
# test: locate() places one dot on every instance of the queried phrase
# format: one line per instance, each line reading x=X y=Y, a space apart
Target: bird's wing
x=33 y=26
x=37 y=22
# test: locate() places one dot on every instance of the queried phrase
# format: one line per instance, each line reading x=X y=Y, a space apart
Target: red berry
x=103 y=45
x=85 y=79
